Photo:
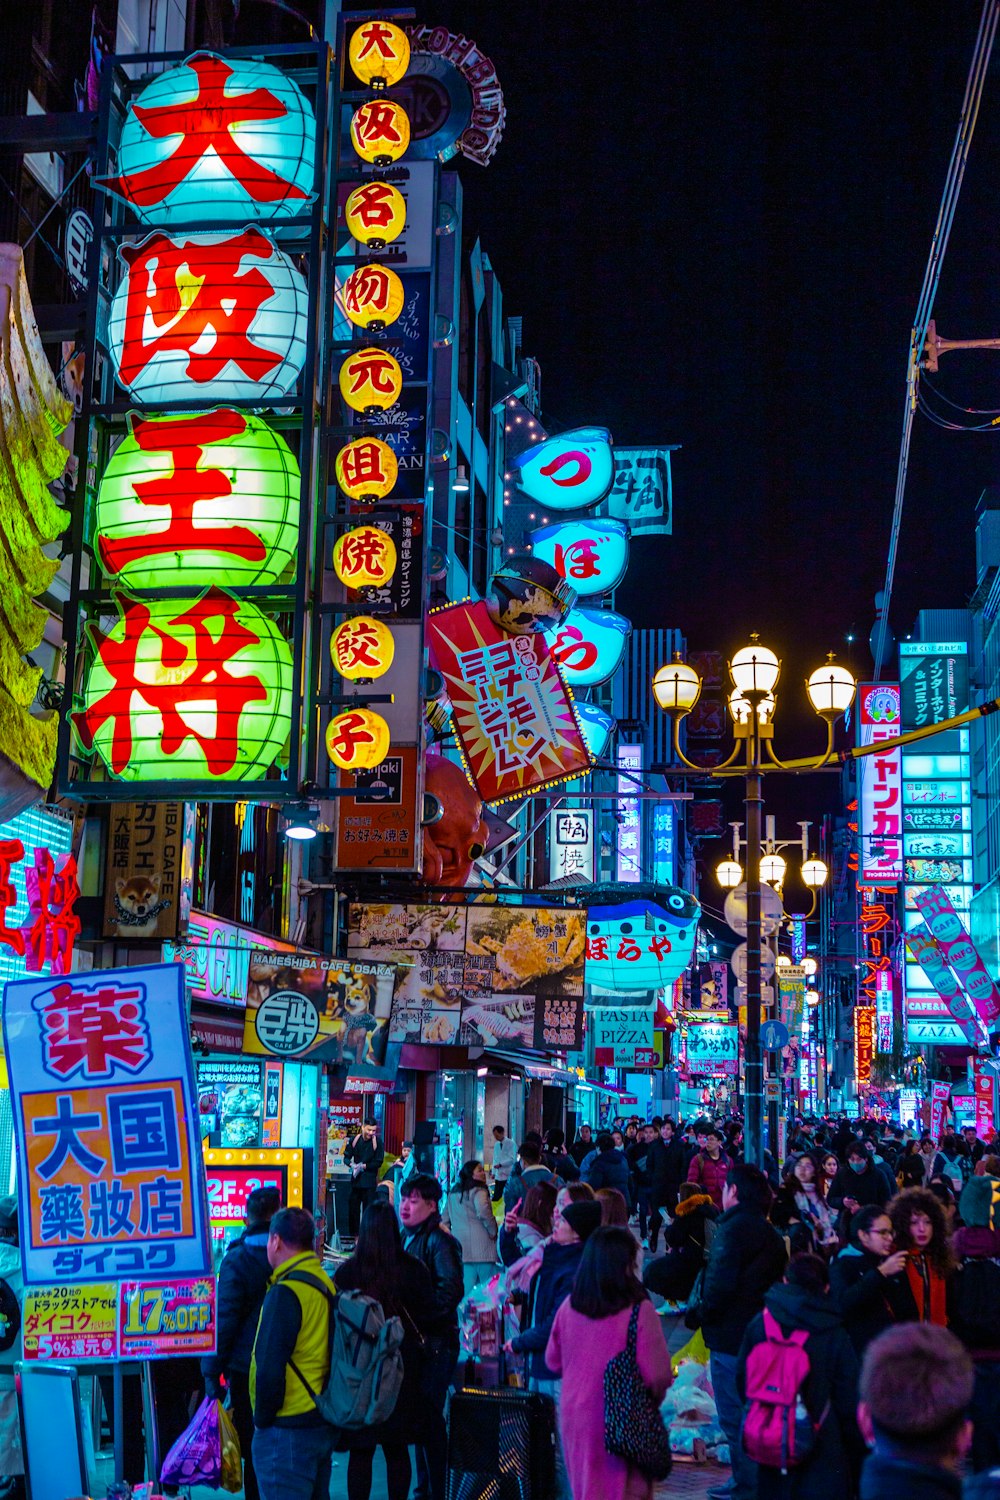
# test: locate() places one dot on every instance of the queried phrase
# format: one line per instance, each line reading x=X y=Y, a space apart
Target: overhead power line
x=932 y=275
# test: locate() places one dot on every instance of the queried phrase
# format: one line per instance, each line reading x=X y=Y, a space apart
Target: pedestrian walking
x=800 y=1208
x=673 y=1274
x=469 y=1216
x=364 y=1155
x=292 y=1444
x=667 y=1167
x=637 y=1157
x=915 y=1389
x=557 y=1158
x=583 y=1145
x=868 y=1280
x=530 y=1171
x=243 y=1278
x=919 y=1228
x=424 y=1237
x=856 y=1185
x=380 y=1268
x=527 y=1224
x=504 y=1157
x=608 y=1167
x=709 y=1166
x=589 y=1329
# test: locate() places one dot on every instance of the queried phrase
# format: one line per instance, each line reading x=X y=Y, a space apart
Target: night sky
x=714 y=219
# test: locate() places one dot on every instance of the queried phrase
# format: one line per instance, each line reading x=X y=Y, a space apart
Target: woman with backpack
x=381 y=1268
x=952 y=1163
x=797 y=1377
x=469 y=1216
x=919 y=1227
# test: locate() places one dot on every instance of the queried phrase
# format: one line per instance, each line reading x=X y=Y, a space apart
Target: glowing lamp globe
x=754 y=669
x=831 y=689
x=740 y=709
x=364 y=557
x=527 y=596
x=379 y=54
x=568 y=472
x=375 y=214
x=187 y=689
x=357 y=740
x=677 y=687
x=809 y=964
x=811 y=998
x=814 y=874
x=370 y=380
x=373 y=297
x=641 y=945
x=729 y=874
x=207 y=498
x=217 y=318
x=380 y=131
x=223 y=141
x=772 y=869
x=362 y=647
x=366 y=469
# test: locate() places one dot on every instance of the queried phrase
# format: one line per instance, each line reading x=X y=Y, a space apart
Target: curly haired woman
x=919 y=1227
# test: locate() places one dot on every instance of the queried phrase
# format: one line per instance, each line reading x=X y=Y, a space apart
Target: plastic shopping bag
x=231 y=1477
x=695 y=1349
x=196 y=1457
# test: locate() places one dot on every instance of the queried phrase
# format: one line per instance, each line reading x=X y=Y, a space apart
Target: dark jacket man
x=674 y=1274
x=609 y=1169
x=852 y=1189
x=583 y=1145
x=832 y=1386
x=367 y=1152
x=666 y=1163
x=746 y=1258
x=441 y=1253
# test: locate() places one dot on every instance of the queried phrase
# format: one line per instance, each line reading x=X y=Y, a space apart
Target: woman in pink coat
x=590 y=1328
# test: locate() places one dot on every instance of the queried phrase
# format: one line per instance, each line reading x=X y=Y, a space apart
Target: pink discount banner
x=939 y=1098
x=959 y=951
x=512 y=713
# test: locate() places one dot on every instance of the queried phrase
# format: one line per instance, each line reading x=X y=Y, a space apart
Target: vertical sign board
x=628 y=864
x=665 y=843
x=571 y=844
x=883 y=1009
x=937 y=808
x=940 y=1093
x=864 y=1044
x=143 y=878
x=984 y=1085
x=880 y=809
x=110 y=1181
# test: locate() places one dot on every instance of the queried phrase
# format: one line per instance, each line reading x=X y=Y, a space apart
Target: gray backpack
x=366 y=1360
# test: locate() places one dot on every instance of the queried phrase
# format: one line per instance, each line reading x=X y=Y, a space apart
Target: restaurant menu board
x=131 y=1320
x=478 y=976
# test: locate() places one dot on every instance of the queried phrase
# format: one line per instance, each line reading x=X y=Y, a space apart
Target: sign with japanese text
x=864 y=1043
x=622 y=1038
x=38 y=892
x=713 y=1048
x=478 y=975
x=513 y=716
x=933 y=681
x=571 y=844
x=143 y=883
x=948 y=932
x=641 y=945
x=316 y=1010
x=628 y=832
x=216 y=959
x=569 y=472
x=131 y=1320
x=231 y=1101
x=940 y=1093
x=71 y=1322
x=884 y=1013
x=880 y=786
x=664 y=840
x=642 y=492
x=110 y=1182
x=984 y=1081
x=384 y=833
x=714 y=986
x=591 y=555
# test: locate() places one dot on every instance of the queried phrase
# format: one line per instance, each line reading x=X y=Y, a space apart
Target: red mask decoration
x=458 y=838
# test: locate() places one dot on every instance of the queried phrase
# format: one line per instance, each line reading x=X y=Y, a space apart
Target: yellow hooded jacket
x=294 y=1325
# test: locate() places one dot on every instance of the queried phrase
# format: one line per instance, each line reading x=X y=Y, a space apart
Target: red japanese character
x=375 y=122
x=204 y=124
x=357 y=647
x=198 y=300
x=52 y=925
x=583 y=470
x=373 y=368
x=659 y=946
x=195 y=675
x=352 y=732
x=362 y=552
x=184 y=438
x=578 y=560
x=629 y=949
x=597 y=948
x=367 y=290
x=377 y=38
x=11 y=850
x=374 y=205
x=362 y=463
x=572 y=651
x=89 y=1031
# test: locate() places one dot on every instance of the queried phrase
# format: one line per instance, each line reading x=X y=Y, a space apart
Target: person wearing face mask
x=918 y=1225
x=857 y=1185
x=800 y=1204
x=868 y=1279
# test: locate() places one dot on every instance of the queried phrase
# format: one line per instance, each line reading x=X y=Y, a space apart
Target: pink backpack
x=778 y=1431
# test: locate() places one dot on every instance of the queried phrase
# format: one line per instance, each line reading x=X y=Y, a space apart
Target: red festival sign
x=512 y=714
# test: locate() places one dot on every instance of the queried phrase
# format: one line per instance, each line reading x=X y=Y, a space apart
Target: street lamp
x=755 y=671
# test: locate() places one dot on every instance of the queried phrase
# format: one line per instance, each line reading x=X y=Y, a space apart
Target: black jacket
x=637 y=1156
x=581 y=1149
x=550 y=1286
x=442 y=1255
x=667 y=1166
x=868 y=1301
x=370 y=1154
x=896 y=1479
x=866 y=1187
x=746 y=1258
x=412 y=1297
x=243 y=1278
x=673 y=1275
x=609 y=1169
x=832 y=1382
x=561 y=1164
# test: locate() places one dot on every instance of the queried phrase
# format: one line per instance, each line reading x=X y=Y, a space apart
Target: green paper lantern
x=187 y=689
x=210 y=498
